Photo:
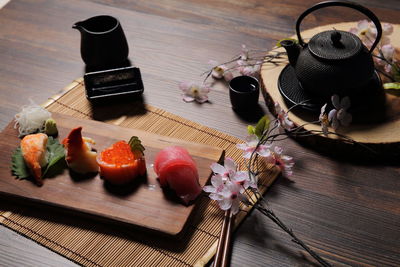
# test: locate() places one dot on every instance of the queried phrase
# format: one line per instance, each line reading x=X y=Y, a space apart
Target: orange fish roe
x=119 y=165
x=118 y=154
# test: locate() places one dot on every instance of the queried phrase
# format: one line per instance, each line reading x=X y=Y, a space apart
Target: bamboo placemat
x=91 y=243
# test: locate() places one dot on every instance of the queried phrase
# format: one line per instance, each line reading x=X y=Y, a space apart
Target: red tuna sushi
x=176 y=169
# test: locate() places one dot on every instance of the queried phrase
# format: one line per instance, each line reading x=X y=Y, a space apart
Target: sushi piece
x=177 y=170
x=33 y=148
x=122 y=162
x=80 y=157
x=171 y=155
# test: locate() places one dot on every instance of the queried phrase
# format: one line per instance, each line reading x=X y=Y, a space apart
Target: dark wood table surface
x=350 y=213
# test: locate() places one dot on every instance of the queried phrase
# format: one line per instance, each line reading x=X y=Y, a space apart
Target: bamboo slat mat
x=91 y=243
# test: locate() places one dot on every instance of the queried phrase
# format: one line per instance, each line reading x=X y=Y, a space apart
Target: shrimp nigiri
x=80 y=157
x=33 y=148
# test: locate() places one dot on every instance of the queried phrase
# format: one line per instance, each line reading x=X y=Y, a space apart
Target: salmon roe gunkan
x=119 y=164
x=118 y=154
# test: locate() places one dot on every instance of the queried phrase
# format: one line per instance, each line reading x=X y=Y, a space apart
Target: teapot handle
x=353 y=5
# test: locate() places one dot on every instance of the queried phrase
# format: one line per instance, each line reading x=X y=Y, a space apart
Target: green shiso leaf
x=18 y=166
x=55 y=153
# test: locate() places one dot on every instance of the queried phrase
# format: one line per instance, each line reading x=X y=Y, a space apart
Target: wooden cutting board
x=144 y=204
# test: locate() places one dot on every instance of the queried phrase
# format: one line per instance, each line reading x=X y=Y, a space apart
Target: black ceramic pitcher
x=103 y=42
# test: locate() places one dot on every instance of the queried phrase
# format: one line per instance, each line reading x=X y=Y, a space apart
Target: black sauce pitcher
x=103 y=42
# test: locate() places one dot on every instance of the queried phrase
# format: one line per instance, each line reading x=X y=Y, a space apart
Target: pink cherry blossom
x=225 y=171
x=387 y=29
x=231 y=196
x=251 y=70
x=361 y=29
x=251 y=146
x=283 y=118
x=243 y=179
x=247 y=68
x=367 y=32
x=323 y=119
x=283 y=162
x=245 y=53
x=216 y=187
x=387 y=52
x=220 y=71
x=228 y=76
x=339 y=115
x=194 y=92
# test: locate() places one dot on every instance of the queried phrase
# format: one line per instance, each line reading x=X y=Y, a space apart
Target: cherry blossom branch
x=209 y=72
x=243 y=61
x=269 y=136
x=382 y=56
x=258 y=204
x=231 y=187
x=385 y=74
x=270 y=214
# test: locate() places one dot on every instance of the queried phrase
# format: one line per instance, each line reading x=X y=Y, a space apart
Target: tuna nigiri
x=176 y=169
x=33 y=148
x=122 y=162
x=80 y=157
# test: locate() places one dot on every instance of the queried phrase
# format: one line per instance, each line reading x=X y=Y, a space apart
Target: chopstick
x=223 y=248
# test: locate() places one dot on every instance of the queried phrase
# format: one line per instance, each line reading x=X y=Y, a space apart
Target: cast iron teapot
x=334 y=61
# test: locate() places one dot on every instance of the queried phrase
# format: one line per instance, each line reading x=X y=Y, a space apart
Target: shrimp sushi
x=33 y=148
x=177 y=170
x=80 y=156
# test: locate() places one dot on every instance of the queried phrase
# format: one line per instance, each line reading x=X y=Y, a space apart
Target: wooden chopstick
x=227 y=243
x=223 y=248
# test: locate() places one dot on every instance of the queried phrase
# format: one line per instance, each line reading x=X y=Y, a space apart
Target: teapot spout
x=292 y=50
x=78 y=25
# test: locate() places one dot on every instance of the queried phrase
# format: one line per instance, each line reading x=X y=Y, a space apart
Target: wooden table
x=349 y=213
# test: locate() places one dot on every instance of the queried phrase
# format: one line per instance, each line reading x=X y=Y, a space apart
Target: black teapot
x=332 y=62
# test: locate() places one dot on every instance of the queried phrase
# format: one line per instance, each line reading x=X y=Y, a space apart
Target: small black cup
x=244 y=92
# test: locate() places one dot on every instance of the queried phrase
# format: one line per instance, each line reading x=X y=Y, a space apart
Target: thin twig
x=270 y=214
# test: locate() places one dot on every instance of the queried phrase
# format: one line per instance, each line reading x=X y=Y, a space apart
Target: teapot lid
x=335 y=45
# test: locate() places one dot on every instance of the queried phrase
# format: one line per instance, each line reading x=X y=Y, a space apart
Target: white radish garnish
x=31 y=119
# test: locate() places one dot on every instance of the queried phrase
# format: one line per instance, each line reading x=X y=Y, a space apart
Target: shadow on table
x=356 y=154
x=252 y=115
x=116 y=108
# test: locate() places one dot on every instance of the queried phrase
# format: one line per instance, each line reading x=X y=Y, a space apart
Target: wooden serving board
x=145 y=204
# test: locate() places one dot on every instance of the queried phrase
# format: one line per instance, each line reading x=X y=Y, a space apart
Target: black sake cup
x=244 y=92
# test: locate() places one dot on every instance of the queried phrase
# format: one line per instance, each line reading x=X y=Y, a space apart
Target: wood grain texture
x=14 y=245
x=348 y=212
x=144 y=203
